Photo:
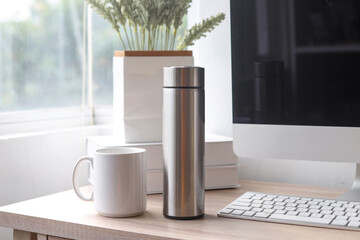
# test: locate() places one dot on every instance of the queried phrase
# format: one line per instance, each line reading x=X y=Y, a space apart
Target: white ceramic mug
x=119 y=181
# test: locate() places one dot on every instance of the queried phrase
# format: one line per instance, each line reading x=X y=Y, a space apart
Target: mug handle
x=75 y=181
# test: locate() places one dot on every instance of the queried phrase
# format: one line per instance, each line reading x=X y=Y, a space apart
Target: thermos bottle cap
x=183 y=76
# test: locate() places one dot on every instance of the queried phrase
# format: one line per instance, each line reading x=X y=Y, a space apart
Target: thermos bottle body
x=183 y=142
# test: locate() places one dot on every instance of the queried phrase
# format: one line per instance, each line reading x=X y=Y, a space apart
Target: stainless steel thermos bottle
x=183 y=142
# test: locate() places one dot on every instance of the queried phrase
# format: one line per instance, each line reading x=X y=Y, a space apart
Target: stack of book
x=220 y=160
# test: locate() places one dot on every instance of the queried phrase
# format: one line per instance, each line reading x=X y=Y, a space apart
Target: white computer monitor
x=296 y=81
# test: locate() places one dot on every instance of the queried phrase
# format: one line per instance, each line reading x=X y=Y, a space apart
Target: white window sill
x=26 y=123
x=94 y=130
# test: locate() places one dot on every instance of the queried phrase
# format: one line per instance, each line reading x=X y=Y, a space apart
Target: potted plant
x=149 y=34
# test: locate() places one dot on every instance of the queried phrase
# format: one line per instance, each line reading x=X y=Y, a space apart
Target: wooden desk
x=64 y=215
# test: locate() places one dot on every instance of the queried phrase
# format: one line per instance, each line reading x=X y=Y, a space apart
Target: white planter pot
x=137 y=96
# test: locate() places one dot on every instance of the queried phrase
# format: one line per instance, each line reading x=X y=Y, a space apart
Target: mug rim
x=120 y=150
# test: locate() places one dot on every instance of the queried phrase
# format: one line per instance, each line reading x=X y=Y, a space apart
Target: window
x=104 y=42
x=40 y=54
x=41 y=61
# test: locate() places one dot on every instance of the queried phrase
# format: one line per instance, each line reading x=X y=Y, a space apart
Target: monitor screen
x=296 y=62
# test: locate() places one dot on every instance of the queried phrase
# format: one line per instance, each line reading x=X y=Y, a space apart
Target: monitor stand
x=354 y=192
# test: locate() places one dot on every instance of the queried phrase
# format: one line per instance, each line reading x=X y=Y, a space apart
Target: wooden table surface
x=64 y=215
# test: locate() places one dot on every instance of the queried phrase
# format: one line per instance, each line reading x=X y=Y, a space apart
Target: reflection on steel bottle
x=183 y=142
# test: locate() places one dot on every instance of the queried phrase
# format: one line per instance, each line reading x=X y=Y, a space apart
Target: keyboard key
x=248 y=213
x=226 y=211
x=326 y=208
x=269 y=210
x=237 y=212
x=268 y=198
x=280 y=211
x=279 y=204
x=335 y=205
x=258 y=201
x=356 y=219
x=256 y=205
x=262 y=215
x=354 y=224
x=352 y=210
x=326 y=212
x=293 y=213
x=339 y=222
x=304 y=214
x=244 y=200
x=306 y=199
x=314 y=211
x=240 y=208
x=245 y=204
x=341 y=218
x=279 y=207
x=260 y=194
x=267 y=206
x=316 y=215
x=248 y=195
x=300 y=219
x=351 y=214
x=257 y=209
x=329 y=216
x=257 y=197
x=278 y=200
x=303 y=206
x=339 y=213
x=302 y=209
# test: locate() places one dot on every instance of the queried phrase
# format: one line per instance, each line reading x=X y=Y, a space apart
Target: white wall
x=214 y=53
x=40 y=164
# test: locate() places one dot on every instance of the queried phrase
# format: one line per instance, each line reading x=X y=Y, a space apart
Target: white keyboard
x=317 y=212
